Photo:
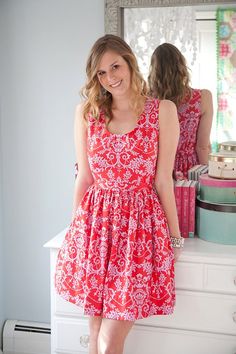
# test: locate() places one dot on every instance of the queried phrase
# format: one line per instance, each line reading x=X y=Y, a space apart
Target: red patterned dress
x=189 y=117
x=116 y=260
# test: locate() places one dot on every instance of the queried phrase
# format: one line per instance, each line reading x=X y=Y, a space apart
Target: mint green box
x=218 y=195
x=216 y=190
x=216 y=222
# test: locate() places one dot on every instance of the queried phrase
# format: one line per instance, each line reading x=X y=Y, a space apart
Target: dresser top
x=195 y=250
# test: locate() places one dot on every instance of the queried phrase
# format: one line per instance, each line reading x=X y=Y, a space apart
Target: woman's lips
x=116 y=84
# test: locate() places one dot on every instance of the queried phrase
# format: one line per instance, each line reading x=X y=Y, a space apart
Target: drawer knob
x=84 y=341
x=235 y=284
x=234 y=316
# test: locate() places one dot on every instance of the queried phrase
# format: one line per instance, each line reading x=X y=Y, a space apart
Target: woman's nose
x=110 y=76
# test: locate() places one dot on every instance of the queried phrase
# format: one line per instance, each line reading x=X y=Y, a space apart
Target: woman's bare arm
x=203 y=146
x=168 y=141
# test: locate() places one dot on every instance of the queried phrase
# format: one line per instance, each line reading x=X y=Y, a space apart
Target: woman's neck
x=121 y=104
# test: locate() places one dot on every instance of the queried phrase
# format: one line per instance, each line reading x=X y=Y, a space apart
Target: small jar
x=222 y=164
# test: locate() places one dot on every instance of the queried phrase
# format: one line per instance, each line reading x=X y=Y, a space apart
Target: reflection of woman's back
x=189 y=113
x=169 y=79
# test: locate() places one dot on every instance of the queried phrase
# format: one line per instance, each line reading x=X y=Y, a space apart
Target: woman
x=169 y=79
x=117 y=259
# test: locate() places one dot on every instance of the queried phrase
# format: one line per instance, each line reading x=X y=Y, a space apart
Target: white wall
x=45 y=47
x=1 y=204
x=2 y=315
x=1 y=228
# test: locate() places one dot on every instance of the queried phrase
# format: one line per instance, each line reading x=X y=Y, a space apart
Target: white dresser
x=204 y=321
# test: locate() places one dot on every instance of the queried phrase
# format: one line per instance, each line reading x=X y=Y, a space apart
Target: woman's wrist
x=177 y=241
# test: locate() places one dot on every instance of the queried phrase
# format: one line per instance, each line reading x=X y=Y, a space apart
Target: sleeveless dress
x=189 y=117
x=116 y=260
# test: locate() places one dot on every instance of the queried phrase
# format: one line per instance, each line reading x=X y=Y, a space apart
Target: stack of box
x=216 y=204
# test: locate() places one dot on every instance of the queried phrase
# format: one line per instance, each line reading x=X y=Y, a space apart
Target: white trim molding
x=114 y=8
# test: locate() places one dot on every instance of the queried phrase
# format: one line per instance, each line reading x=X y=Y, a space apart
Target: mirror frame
x=114 y=10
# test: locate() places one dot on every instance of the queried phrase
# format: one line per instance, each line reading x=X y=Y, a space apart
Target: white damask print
x=189 y=118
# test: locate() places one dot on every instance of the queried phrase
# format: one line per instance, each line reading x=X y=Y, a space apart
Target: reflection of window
x=204 y=70
x=145 y=28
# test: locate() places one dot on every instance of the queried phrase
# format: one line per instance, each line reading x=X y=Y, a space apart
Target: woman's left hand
x=177 y=252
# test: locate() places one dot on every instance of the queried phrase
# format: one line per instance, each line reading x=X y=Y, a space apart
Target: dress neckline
x=131 y=131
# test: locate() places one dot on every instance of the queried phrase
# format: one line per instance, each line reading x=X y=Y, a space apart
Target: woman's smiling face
x=114 y=74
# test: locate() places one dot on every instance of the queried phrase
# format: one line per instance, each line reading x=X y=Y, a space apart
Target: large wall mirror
x=192 y=25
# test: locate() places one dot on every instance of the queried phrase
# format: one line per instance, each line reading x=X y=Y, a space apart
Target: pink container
x=217 y=190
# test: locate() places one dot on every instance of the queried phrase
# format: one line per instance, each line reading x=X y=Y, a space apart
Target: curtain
x=226 y=76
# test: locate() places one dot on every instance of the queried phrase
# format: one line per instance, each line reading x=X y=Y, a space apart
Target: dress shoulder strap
x=95 y=125
x=151 y=112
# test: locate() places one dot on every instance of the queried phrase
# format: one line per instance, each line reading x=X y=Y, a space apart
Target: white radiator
x=21 y=337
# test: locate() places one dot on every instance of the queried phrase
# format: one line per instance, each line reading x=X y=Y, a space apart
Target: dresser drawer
x=150 y=340
x=206 y=277
x=200 y=312
x=71 y=336
x=220 y=278
x=66 y=308
x=189 y=276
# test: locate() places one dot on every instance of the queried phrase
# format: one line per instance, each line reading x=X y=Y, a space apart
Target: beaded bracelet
x=177 y=242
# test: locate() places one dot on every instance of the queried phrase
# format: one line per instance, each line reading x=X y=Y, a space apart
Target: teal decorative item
x=217 y=190
x=216 y=222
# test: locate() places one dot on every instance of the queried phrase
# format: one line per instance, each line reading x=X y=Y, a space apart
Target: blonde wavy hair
x=96 y=97
x=168 y=75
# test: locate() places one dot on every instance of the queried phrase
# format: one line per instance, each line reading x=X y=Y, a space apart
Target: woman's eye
x=100 y=73
x=115 y=67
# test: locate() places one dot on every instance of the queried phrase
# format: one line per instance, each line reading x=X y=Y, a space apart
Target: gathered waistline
x=125 y=189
